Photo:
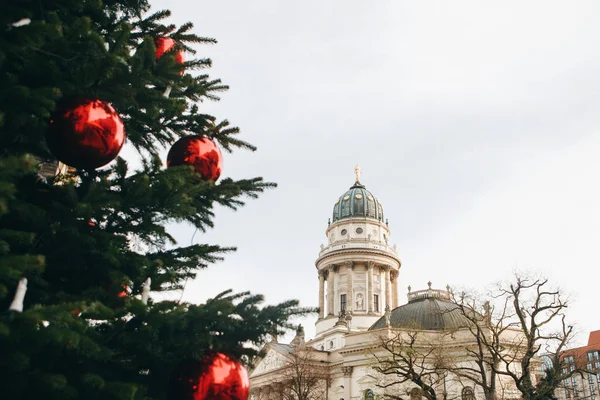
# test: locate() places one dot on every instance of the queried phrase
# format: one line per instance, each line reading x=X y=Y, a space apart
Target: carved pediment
x=367 y=380
x=337 y=389
x=272 y=361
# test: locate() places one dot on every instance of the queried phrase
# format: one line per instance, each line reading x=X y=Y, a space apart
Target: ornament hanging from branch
x=17 y=303
x=164 y=45
x=216 y=377
x=199 y=152
x=85 y=133
x=146 y=291
x=125 y=292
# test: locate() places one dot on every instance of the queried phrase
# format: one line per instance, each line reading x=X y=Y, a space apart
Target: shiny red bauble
x=85 y=133
x=126 y=292
x=165 y=44
x=216 y=377
x=199 y=152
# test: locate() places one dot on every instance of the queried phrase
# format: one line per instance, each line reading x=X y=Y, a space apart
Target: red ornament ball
x=85 y=133
x=199 y=152
x=217 y=377
x=164 y=45
x=126 y=292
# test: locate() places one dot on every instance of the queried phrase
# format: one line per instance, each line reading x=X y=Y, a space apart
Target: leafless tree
x=407 y=365
x=522 y=320
x=304 y=376
x=479 y=369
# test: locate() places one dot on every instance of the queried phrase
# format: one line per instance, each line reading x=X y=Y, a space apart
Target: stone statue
x=342 y=319
x=359 y=302
x=388 y=314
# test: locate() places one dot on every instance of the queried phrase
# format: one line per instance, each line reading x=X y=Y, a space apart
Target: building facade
x=584 y=384
x=357 y=270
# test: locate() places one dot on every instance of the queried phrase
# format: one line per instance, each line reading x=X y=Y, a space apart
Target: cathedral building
x=358 y=272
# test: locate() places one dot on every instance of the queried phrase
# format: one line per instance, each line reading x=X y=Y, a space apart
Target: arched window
x=416 y=394
x=468 y=394
x=369 y=395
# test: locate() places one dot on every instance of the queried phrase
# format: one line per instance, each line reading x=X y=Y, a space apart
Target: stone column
x=330 y=290
x=370 y=297
x=394 y=278
x=350 y=292
x=347 y=382
x=321 y=294
x=388 y=287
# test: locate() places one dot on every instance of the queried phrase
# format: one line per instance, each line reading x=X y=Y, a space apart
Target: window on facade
x=592 y=383
x=343 y=302
x=376 y=302
x=345 y=208
x=359 y=206
x=569 y=359
x=467 y=394
x=369 y=395
x=593 y=355
x=370 y=207
x=596 y=364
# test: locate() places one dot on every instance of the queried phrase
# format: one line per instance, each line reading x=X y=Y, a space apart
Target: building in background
x=358 y=309
x=584 y=385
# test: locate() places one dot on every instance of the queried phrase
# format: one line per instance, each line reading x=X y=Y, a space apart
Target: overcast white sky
x=477 y=125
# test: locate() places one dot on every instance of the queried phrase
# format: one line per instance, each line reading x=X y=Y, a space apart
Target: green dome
x=429 y=309
x=426 y=313
x=357 y=202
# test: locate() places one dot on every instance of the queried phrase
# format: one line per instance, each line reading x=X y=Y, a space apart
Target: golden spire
x=357 y=172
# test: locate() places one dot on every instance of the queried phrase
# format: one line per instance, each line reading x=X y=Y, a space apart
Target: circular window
x=346 y=197
x=370 y=197
x=343 y=232
x=358 y=196
x=359 y=230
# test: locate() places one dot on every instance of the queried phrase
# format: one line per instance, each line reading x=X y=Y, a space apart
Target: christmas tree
x=92 y=242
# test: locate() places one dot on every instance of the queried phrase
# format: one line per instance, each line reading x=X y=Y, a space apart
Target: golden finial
x=357 y=172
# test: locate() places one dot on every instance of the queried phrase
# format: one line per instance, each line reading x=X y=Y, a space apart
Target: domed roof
x=427 y=310
x=357 y=202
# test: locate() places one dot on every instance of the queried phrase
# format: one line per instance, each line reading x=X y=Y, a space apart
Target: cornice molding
x=358 y=251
